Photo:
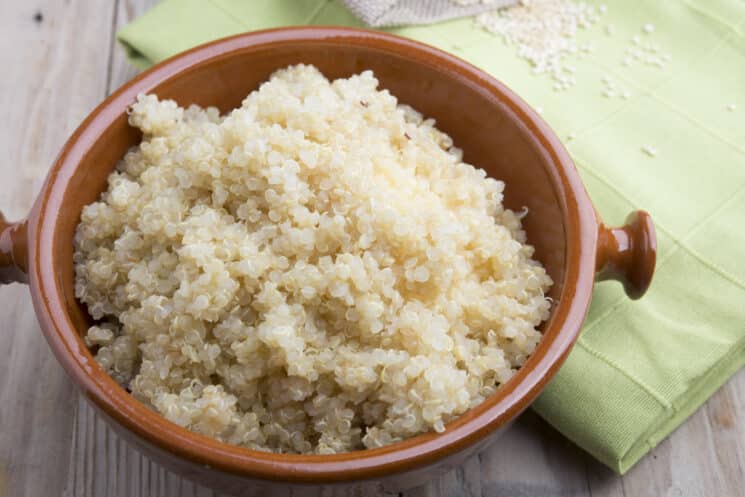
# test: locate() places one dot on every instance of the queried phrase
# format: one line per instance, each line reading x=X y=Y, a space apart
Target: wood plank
x=120 y=70
x=533 y=459
x=703 y=457
x=725 y=415
x=102 y=464
x=464 y=481
x=54 y=75
x=530 y=459
x=601 y=481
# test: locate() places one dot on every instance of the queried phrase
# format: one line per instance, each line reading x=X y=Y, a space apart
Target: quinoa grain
x=316 y=271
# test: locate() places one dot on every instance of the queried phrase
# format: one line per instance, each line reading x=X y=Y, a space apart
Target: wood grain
x=530 y=460
x=58 y=69
x=120 y=70
x=53 y=75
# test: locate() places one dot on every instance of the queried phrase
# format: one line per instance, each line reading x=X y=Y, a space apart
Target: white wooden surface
x=59 y=60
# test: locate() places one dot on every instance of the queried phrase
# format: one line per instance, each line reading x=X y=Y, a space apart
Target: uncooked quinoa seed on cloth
x=648 y=99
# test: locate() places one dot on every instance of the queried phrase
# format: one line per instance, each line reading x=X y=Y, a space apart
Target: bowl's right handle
x=13 y=251
x=628 y=254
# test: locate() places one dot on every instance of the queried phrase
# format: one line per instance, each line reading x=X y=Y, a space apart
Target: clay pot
x=497 y=131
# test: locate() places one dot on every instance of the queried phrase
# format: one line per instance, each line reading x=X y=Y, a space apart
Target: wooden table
x=59 y=60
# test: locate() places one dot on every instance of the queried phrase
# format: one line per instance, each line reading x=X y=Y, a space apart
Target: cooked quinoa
x=316 y=271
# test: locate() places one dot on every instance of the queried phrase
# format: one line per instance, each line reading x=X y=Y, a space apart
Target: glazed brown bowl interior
x=497 y=132
x=489 y=135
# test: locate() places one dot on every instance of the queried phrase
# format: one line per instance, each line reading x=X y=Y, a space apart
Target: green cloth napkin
x=640 y=367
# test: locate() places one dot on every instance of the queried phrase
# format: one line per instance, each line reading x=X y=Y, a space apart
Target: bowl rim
x=510 y=399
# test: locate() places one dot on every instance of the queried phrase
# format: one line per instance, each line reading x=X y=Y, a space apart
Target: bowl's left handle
x=13 y=251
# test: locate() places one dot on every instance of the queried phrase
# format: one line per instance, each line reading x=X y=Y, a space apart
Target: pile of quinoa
x=316 y=271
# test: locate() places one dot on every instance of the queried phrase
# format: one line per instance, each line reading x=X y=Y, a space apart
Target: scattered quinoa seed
x=544 y=32
x=650 y=151
x=648 y=53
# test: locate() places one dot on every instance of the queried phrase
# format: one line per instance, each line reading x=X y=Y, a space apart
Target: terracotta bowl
x=498 y=132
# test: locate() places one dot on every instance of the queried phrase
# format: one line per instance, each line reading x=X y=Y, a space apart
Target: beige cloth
x=379 y=13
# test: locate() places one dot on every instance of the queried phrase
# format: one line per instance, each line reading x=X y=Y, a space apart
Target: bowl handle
x=13 y=251
x=628 y=254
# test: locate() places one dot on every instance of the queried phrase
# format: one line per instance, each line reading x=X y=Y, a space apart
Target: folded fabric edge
x=597 y=407
x=686 y=405
x=170 y=27
x=129 y=36
x=660 y=426
x=134 y=56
